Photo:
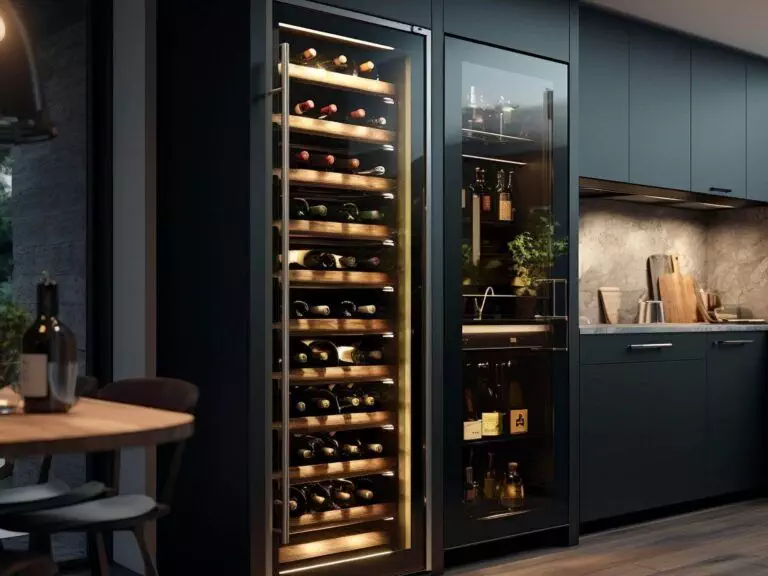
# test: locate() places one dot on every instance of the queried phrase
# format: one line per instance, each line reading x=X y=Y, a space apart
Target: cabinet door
x=718 y=122
x=604 y=97
x=737 y=376
x=418 y=12
x=538 y=27
x=757 y=130
x=660 y=109
x=642 y=436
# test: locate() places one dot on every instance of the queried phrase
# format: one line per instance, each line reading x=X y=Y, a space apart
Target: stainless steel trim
x=349 y=14
x=285 y=56
x=733 y=342
x=650 y=346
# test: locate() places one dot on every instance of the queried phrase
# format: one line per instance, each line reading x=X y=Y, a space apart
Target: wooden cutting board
x=678 y=294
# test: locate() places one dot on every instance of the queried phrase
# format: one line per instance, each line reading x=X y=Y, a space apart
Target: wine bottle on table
x=305 y=57
x=48 y=356
x=301 y=309
x=322 y=353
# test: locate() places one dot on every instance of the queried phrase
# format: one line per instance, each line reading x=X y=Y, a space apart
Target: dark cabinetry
x=660 y=109
x=604 y=97
x=736 y=366
x=540 y=27
x=416 y=12
x=757 y=130
x=718 y=122
x=642 y=431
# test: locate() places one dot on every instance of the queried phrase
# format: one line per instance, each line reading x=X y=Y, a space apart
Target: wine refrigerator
x=349 y=384
x=506 y=454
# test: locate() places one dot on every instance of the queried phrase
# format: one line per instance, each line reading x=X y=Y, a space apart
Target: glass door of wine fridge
x=348 y=386
x=506 y=197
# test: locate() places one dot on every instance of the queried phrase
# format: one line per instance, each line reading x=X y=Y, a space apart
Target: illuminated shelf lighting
x=334 y=422
x=323 y=77
x=338 y=518
x=352 y=230
x=339 y=374
x=335 y=562
x=334 y=470
x=329 y=35
x=486 y=158
x=337 y=180
x=338 y=130
x=338 y=326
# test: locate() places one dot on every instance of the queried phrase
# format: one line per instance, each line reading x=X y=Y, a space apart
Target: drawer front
x=620 y=348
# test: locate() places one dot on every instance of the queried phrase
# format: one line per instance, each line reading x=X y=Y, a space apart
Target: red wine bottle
x=365 y=68
x=356 y=115
x=48 y=357
x=303 y=107
x=302 y=157
x=302 y=209
x=305 y=57
x=378 y=122
x=302 y=309
x=336 y=64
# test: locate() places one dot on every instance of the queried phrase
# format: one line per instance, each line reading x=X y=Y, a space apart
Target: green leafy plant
x=533 y=254
x=14 y=320
x=483 y=273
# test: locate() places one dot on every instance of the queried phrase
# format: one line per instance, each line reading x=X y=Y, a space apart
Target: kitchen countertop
x=651 y=328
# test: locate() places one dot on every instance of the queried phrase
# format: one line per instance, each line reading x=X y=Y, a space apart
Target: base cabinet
x=736 y=370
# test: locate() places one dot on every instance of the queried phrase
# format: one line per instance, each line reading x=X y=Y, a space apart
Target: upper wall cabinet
x=603 y=97
x=718 y=122
x=539 y=27
x=659 y=109
x=417 y=12
x=757 y=130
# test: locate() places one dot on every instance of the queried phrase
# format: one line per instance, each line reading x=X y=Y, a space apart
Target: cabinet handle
x=658 y=346
x=721 y=190
x=733 y=342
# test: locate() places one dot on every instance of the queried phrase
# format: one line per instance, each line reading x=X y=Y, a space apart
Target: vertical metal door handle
x=285 y=56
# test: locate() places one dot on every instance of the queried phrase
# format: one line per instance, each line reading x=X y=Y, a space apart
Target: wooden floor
x=731 y=540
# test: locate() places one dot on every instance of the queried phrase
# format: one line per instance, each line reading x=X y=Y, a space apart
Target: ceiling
x=738 y=23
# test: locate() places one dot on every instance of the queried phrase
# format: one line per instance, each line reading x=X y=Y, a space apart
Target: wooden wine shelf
x=336 y=422
x=311 y=550
x=338 y=180
x=340 y=518
x=339 y=374
x=334 y=470
x=338 y=279
x=340 y=130
x=340 y=230
x=323 y=77
x=337 y=326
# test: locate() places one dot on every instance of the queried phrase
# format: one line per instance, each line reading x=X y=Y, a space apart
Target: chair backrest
x=162 y=393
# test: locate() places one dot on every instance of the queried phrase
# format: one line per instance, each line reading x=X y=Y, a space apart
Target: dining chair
x=127 y=512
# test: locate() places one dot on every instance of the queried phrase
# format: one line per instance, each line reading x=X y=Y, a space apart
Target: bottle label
x=33 y=381
x=491 y=424
x=518 y=421
x=473 y=430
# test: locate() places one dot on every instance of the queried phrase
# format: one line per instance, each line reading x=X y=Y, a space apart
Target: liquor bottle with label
x=303 y=210
x=490 y=399
x=301 y=309
x=48 y=356
x=305 y=57
x=505 y=205
x=322 y=353
x=513 y=492
x=479 y=189
x=490 y=481
x=506 y=208
x=470 y=486
x=473 y=425
x=518 y=413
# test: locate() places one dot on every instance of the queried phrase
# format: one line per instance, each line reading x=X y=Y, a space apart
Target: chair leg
x=98 y=554
x=149 y=565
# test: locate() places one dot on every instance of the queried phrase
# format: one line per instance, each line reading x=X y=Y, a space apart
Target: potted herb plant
x=533 y=253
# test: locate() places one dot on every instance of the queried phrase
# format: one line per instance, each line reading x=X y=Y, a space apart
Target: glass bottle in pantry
x=512 y=494
x=506 y=209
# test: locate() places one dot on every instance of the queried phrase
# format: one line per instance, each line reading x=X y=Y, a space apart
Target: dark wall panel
x=417 y=12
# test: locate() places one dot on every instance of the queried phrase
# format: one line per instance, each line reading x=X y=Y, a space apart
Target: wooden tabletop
x=91 y=426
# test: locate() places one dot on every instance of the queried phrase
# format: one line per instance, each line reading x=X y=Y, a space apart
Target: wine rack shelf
x=338 y=279
x=339 y=374
x=340 y=518
x=337 y=327
x=338 y=180
x=334 y=470
x=339 y=130
x=323 y=77
x=311 y=550
x=336 y=230
x=336 y=422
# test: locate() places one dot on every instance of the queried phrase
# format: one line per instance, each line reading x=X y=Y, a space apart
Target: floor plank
x=726 y=541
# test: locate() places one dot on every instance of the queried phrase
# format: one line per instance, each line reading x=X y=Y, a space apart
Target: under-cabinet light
x=346 y=39
x=335 y=562
x=494 y=160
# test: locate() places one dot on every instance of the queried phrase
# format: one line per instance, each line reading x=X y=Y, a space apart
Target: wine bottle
x=378 y=122
x=48 y=356
x=348 y=309
x=371 y=400
x=297 y=502
x=375 y=171
x=326 y=162
x=364 y=68
x=378 y=442
x=470 y=486
x=302 y=209
x=352 y=164
x=302 y=157
x=506 y=209
x=300 y=354
x=327 y=110
x=369 y=264
x=297 y=403
x=366 y=310
x=318 y=498
x=305 y=57
x=345 y=262
x=349 y=212
x=513 y=492
x=329 y=449
x=372 y=489
x=302 y=107
x=322 y=353
x=500 y=174
x=347 y=397
x=342 y=492
x=356 y=115
x=314 y=402
x=358 y=355
x=303 y=449
x=301 y=309
x=336 y=64
x=350 y=445
x=311 y=259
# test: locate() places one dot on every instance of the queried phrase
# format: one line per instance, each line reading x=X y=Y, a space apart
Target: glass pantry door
x=506 y=196
x=348 y=387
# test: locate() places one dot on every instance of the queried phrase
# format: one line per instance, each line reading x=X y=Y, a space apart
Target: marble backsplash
x=726 y=251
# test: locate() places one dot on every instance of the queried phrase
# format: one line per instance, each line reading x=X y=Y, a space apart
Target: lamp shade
x=23 y=116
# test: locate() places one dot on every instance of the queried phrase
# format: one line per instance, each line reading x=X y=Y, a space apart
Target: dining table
x=90 y=426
